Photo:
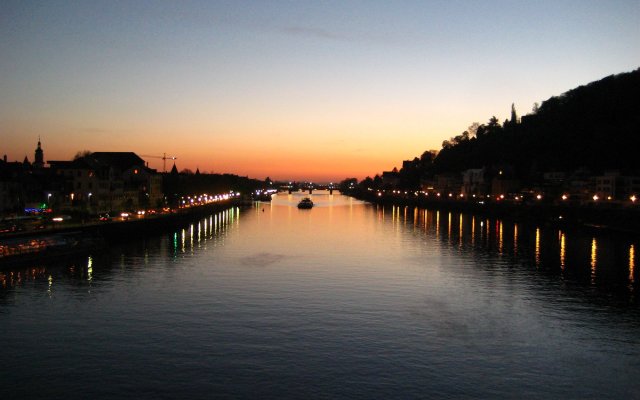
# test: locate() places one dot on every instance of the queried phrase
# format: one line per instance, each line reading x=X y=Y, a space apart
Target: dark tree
x=82 y=154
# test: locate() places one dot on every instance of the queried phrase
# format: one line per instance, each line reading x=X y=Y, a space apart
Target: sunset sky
x=302 y=90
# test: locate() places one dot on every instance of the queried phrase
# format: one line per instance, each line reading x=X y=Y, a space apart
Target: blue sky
x=324 y=89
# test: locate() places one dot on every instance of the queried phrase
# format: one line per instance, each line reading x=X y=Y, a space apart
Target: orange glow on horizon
x=255 y=159
x=282 y=145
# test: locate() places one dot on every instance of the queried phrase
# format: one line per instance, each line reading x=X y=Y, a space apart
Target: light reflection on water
x=537 y=247
x=594 y=259
x=343 y=300
x=563 y=250
x=632 y=264
x=552 y=250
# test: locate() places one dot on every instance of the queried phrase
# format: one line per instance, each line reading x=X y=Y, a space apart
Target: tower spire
x=39 y=156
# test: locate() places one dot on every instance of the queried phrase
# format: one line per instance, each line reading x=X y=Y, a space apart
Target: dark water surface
x=346 y=300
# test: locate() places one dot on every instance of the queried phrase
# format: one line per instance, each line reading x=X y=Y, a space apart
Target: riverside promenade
x=603 y=216
x=74 y=238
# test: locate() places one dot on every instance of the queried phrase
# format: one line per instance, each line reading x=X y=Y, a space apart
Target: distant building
x=504 y=181
x=613 y=185
x=630 y=187
x=39 y=156
x=448 y=183
x=142 y=185
x=10 y=188
x=390 y=179
x=427 y=185
x=580 y=185
x=606 y=185
x=23 y=184
x=555 y=178
x=474 y=181
x=97 y=182
x=105 y=181
x=505 y=186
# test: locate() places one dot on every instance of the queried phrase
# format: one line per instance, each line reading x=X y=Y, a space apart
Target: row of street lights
x=196 y=200
x=633 y=198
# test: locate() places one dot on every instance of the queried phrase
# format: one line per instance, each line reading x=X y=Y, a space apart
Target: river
x=346 y=300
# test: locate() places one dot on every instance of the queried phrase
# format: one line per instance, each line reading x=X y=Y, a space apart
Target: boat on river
x=305 y=203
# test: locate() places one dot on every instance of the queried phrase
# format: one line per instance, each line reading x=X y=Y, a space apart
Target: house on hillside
x=475 y=181
x=448 y=183
x=613 y=185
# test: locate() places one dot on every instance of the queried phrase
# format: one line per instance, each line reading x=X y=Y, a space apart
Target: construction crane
x=164 y=159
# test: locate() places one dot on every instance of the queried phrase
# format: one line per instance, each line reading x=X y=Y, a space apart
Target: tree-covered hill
x=596 y=126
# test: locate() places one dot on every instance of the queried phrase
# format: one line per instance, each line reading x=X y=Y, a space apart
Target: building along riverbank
x=601 y=216
x=71 y=239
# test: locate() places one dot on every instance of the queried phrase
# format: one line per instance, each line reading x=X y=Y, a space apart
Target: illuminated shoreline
x=600 y=217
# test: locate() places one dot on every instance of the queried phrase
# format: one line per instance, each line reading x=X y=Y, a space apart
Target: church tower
x=39 y=156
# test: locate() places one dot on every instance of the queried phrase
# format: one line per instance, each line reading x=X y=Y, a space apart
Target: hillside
x=595 y=126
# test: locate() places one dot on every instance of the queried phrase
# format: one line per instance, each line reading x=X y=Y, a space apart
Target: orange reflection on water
x=594 y=259
x=632 y=263
x=500 y=242
x=473 y=230
x=393 y=215
x=562 y=250
x=487 y=237
x=18 y=277
x=537 y=253
x=426 y=220
x=515 y=239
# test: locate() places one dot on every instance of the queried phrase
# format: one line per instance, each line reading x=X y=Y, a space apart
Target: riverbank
x=74 y=239
x=597 y=217
x=121 y=229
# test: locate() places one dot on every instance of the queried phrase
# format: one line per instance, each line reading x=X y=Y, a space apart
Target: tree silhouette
x=82 y=154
